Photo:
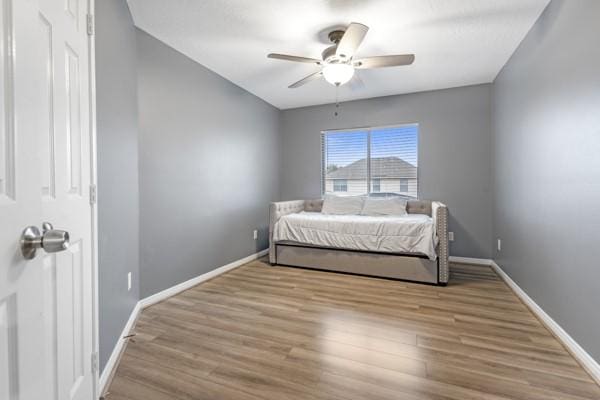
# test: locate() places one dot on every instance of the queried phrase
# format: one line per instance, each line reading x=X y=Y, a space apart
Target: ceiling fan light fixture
x=338 y=61
x=338 y=74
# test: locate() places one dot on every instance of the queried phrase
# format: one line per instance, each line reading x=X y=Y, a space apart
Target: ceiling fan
x=338 y=63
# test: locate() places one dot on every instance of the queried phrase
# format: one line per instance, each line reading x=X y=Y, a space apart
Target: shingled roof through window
x=383 y=167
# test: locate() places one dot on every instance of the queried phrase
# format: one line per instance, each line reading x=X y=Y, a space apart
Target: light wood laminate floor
x=262 y=332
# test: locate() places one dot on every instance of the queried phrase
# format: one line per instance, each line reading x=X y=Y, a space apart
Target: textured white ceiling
x=456 y=42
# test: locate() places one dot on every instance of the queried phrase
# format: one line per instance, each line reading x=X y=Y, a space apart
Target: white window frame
x=368 y=129
x=345 y=185
x=407 y=185
x=373 y=185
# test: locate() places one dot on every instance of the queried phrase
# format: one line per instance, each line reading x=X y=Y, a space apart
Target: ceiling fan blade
x=294 y=58
x=307 y=79
x=352 y=38
x=384 y=61
x=356 y=83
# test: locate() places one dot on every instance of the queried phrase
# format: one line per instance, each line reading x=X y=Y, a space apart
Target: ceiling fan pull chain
x=337 y=102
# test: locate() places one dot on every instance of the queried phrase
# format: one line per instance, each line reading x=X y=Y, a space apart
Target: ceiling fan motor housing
x=330 y=57
x=329 y=54
x=336 y=36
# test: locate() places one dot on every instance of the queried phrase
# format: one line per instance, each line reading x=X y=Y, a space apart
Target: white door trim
x=94 y=205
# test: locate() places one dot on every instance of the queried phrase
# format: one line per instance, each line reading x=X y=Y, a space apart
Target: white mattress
x=411 y=233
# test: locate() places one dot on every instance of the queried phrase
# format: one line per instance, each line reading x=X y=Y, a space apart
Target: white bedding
x=410 y=233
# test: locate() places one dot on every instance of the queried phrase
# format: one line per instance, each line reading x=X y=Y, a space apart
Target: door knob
x=51 y=240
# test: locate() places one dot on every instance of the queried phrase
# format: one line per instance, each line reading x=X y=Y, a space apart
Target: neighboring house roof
x=383 y=167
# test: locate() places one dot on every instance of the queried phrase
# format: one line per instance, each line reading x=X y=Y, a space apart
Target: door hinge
x=95 y=362
x=93 y=194
x=90 y=25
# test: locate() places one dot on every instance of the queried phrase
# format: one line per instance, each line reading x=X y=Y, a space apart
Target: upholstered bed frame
x=398 y=266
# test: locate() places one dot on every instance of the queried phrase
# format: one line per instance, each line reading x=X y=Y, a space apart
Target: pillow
x=389 y=206
x=342 y=205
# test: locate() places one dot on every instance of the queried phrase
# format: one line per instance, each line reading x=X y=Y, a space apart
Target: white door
x=46 y=303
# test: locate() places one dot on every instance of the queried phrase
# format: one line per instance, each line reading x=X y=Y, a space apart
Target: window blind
x=375 y=161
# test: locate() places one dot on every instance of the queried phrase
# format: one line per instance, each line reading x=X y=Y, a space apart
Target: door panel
x=71 y=320
x=69 y=207
x=51 y=314
x=8 y=345
x=7 y=132
x=22 y=372
x=47 y=141
x=46 y=304
x=73 y=127
x=72 y=9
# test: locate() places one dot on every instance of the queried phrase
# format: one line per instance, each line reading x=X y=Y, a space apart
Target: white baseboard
x=586 y=361
x=173 y=290
x=113 y=361
x=115 y=356
x=469 y=260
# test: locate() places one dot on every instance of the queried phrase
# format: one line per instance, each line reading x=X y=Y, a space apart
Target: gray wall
x=454 y=153
x=210 y=152
x=208 y=167
x=547 y=167
x=116 y=96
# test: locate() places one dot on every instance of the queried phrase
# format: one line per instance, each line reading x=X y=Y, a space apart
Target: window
x=370 y=160
x=376 y=185
x=403 y=185
x=340 y=185
x=345 y=159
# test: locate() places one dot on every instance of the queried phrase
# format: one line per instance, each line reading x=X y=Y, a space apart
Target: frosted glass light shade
x=338 y=74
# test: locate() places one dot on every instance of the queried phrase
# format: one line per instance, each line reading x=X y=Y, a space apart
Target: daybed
x=413 y=247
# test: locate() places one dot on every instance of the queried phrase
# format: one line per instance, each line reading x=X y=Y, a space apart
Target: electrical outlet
x=451 y=236
x=499 y=246
x=128 y=281
x=255 y=234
